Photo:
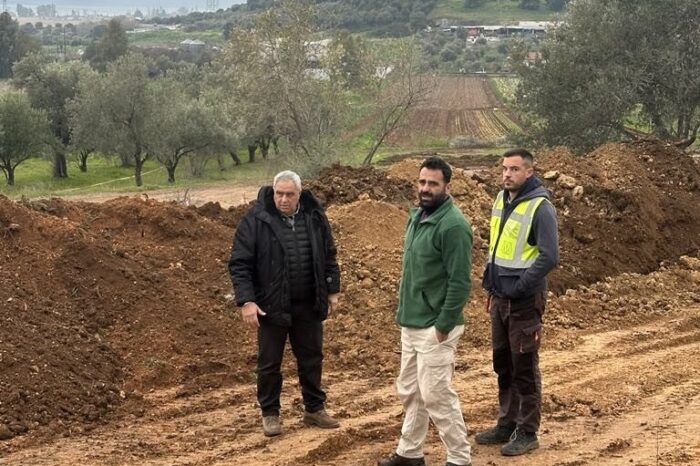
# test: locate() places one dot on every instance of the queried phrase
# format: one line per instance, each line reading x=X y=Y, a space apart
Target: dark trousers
x=516 y=330
x=306 y=340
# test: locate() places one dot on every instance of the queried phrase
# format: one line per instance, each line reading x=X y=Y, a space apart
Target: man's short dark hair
x=525 y=154
x=436 y=163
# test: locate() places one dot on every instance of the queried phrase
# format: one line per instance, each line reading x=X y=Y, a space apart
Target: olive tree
x=609 y=58
x=181 y=125
x=282 y=82
x=51 y=86
x=111 y=111
x=24 y=132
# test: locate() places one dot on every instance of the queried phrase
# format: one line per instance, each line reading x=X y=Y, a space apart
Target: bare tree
x=396 y=86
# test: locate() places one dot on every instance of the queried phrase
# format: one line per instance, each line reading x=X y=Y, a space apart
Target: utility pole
x=4 y=6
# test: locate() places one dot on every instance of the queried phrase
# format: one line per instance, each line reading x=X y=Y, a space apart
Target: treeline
x=394 y=18
x=275 y=86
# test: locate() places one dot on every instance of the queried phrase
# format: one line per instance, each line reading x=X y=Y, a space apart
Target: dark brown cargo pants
x=516 y=332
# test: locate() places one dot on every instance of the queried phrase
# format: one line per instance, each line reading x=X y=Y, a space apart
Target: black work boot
x=520 y=443
x=397 y=460
x=498 y=434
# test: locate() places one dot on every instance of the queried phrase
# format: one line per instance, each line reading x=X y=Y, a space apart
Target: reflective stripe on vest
x=513 y=249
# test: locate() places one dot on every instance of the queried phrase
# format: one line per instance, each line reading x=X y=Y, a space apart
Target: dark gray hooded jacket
x=516 y=284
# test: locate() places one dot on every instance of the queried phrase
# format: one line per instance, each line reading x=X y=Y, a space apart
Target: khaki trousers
x=424 y=389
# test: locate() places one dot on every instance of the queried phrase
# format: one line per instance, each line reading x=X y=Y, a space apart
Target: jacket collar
x=435 y=217
x=265 y=206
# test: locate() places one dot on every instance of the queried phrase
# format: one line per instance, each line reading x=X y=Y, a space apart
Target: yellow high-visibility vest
x=513 y=249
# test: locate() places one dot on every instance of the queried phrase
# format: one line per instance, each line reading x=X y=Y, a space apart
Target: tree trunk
x=264 y=148
x=658 y=127
x=690 y=140
x=234 y=156
x=251 y=153
x=220 y=162
x=82 y=159
x=10 y=175
x=370 y=154
x=138 y=168
x=684 y=124
x=171 y=173
x=275 y=146
x=60 y=166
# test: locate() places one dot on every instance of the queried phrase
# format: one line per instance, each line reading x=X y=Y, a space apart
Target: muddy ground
x=118 y=344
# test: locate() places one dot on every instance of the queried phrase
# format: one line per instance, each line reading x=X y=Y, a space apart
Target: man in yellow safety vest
x=523 y=249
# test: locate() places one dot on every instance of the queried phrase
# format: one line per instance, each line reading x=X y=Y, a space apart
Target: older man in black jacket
x=286 y=280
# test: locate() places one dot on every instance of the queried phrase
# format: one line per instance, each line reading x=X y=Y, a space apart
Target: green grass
x=33 y=177
x=5 y=86
x=167 y=37
x=492 y=12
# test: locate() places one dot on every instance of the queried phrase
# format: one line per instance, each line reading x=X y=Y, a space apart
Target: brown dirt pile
x=101 y=302
x=342 y=184
x=369 y=237
x=637 y=208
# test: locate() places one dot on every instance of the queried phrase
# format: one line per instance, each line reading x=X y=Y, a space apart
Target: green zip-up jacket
x=435 y=277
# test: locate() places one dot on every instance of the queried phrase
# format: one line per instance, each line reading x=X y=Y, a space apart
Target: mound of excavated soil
x=369 y=237
x=636 y=207
x=341 y=184
x=101 y=302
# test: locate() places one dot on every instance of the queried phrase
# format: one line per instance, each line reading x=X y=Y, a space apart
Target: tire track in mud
x=614 y=397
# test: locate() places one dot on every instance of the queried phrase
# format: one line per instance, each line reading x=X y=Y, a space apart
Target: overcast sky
x=118 y=7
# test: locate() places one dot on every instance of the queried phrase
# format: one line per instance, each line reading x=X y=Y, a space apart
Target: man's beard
x=433 y=201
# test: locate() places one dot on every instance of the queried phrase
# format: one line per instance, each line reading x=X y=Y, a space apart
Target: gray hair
x=287 y=175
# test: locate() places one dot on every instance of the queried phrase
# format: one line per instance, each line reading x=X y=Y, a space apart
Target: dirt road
x=629 y=396
x=226 y=194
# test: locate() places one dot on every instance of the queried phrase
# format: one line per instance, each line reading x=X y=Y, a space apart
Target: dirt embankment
x=103 y=302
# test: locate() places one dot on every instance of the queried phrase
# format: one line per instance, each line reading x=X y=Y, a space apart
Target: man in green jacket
x=435 y=285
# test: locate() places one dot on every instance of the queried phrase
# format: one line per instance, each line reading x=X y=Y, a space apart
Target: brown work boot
x=272 y=426
x=320 y=419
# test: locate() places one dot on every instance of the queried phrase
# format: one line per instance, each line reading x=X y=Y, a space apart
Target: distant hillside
x=402 y=17
x=498 y=11
x=392 y=18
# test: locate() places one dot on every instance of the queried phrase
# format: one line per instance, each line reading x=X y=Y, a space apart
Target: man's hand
x=250 y=312
x=488 y=304
x=440 y=336
x=333 y=302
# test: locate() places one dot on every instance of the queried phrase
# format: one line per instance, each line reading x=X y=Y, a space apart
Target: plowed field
x=457 y=106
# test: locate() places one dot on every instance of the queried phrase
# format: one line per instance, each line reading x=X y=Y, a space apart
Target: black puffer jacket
x=258 y=268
